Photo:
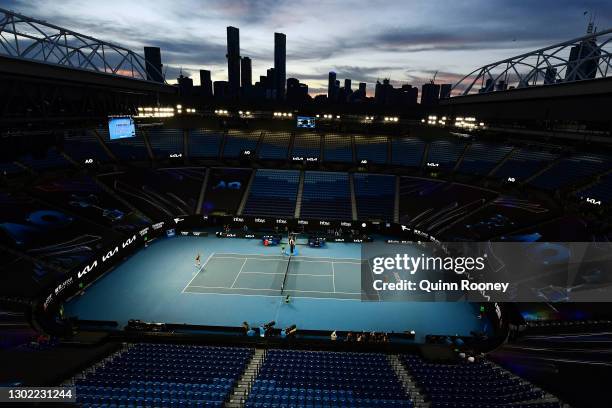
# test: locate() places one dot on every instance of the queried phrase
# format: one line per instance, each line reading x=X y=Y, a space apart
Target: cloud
x=364 y=41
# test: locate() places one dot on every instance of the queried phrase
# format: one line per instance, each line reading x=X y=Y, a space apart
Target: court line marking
x=276 y=296
x=333 y=277
x=239 y=272
x=279 y=258
x=282 y=273
x=277 y=290
x=286 y=258
x=373 y=279
x=201 y=269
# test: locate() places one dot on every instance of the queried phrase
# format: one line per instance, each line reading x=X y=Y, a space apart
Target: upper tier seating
x=51 y=160
x=168 y=375
x=524 y=163
x=407 y=151
x=274 y=146
x=445 y=153
x=128 y=149
x=469 y=385
x=481 y=158
x=338 y=148
x=237 y=142
x=306 y=145
x=371 y=148
x=375 y=195
x=326 y=379
x=326 y=195
x=273 y=193
x=204 y=143
x=165 y=142
x=571 y=170
x=84 y=145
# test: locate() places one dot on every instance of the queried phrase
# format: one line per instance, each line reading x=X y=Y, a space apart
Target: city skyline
x=364 y=42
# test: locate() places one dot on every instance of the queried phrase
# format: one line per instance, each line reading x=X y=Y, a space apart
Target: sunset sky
x=364 y=40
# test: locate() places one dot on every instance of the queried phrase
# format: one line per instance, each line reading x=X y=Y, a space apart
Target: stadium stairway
x=298 y=200
x=240 y=393
x=202 y=192
x=546 y=397
x=408 y=382
x=246 y=193
x=352 y=193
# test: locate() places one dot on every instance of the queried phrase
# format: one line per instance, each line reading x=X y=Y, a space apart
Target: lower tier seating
x=168 y=375
x=326 y=379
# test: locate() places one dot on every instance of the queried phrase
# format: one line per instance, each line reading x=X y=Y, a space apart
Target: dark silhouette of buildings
x=153 y=64
x=347 y=86
x=275 y=87
x=583 y=60
x=233 y=61
x=332 y=90
x=246 y=73
x=185 y=85
x=296 y=91
x=221 y=89
x=430 y=94
x=205 y=83
x=445 y=90
x=385 y=94
x=280 y=64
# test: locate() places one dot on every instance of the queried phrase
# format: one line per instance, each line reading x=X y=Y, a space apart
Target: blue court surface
x=240 y=280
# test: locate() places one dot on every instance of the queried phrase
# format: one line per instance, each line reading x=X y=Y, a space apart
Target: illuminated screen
x=306 y=122
x=121 y=127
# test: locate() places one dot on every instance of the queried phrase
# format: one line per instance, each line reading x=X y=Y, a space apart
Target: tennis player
x=197 y=260
x=291 y=244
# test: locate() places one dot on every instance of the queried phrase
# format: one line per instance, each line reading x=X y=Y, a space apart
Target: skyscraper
x=205 y=82
x=245 y=73
x=445 y=90
x=233 y=61
x=185 y=85
x=331 y=86
x=362 y=88
x=347 y=86
x=430 y=93
x=280 y=62
x=153 y=64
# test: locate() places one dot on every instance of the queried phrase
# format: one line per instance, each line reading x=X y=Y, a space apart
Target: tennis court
x=264 y=275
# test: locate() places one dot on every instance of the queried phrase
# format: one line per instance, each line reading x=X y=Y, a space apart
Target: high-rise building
x=296 y=91
x=221 y=89
x=245 y=73
x=271 y=81
x=430 y=94
x=185 y=85
x=280 y=63
x=445 y=90
x=583 y=61
x=331 y=86
x=362 y=88
x=205 y=83
x=153 y=64
x=347 y=86
x=409 y=95
x=550 y=75
x=233 y=61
